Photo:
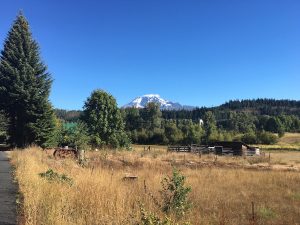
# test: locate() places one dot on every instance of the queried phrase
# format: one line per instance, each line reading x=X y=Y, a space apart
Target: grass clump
x=266 y=213
x=52 y=176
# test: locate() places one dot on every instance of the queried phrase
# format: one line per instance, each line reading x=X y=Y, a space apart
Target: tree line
x=203 y=125
x=144 y=127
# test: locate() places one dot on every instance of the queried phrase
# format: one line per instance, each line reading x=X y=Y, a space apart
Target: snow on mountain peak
x=151 y=96
x=143 y=101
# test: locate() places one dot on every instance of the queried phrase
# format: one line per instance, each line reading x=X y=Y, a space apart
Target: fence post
x=81 y=155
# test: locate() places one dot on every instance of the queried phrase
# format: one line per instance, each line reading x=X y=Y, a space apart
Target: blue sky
x=200 y=53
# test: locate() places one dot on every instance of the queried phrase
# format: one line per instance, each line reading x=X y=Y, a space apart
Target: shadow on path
x=8 y=192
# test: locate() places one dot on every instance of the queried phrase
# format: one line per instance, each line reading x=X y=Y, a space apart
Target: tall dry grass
x=100 y=196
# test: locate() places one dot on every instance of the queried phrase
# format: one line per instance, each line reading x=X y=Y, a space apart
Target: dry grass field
x=290 y=141
x=223 y=188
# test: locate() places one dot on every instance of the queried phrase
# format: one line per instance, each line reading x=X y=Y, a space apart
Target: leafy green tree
x=104 y=121
x=173 y=134
x=275 y=125
x=267 y=138
x=192 y=132
x=210 y=127
x=24 y=89
x=132 y=119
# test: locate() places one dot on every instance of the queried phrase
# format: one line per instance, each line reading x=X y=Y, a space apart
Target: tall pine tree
x=24 y=89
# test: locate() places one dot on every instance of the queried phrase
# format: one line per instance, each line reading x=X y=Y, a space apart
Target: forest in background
x=252 y=121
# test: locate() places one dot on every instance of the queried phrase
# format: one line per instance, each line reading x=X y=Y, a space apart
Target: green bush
x=52 y=176
x=267 y=138
x=174 y=194
x=249 y=138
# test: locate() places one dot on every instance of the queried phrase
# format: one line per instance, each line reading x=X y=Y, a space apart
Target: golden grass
x=220 y=195
x=290 y=142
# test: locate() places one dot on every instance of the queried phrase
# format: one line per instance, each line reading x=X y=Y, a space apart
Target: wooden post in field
x=145 y=187
x=81 y=155
x=253 y=214
x=269 y=157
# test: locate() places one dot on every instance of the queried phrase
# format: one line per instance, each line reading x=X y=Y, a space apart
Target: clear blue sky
x=200 y=53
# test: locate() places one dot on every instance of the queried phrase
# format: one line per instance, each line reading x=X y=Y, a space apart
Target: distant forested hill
x=270 y=107
x=68 y=115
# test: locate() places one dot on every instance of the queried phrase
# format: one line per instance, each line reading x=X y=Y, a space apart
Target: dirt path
x=7 y=192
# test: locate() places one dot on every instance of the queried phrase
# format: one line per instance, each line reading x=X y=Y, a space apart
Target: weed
x=296 y=196
x=174 y=194
x=52 y=176
x=266 y=213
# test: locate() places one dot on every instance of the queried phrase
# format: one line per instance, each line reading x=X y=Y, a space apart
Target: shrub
x=267 y=138
x=266 y=213
x=52 y=176
x=249 y=138
x=174 y=202
x=174 y=194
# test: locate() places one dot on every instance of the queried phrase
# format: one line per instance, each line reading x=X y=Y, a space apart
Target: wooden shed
x=232 y=147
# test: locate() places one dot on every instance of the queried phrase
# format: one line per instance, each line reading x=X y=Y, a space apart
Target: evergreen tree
x=24 y=88
x=3 y=128
x=152 y=116
x=104 y=121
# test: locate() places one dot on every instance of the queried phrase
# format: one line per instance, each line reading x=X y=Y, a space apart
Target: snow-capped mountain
x=141 y=102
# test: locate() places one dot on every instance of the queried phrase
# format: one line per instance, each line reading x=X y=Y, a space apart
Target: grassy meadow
x=289 y=142
x=223 y=188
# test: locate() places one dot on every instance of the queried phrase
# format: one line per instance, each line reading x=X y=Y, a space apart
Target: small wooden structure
x=128 y=177
x=179 y=148
x=235 y=148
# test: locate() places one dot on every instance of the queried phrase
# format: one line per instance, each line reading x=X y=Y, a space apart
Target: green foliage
x=173 y=133
x=153 y=114
x=210 y=127
x=266 y=213
x=70 y=116
x=267 y=138
x=274 y=125
x=3 y=128
x=104 y=121
x=24 y=89
x=174 y=194
x=75 y=136
x=236 y=120
x=249 y=138
x=52 y=176
x=149 y=218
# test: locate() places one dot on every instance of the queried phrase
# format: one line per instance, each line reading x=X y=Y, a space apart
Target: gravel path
x=8 y=192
